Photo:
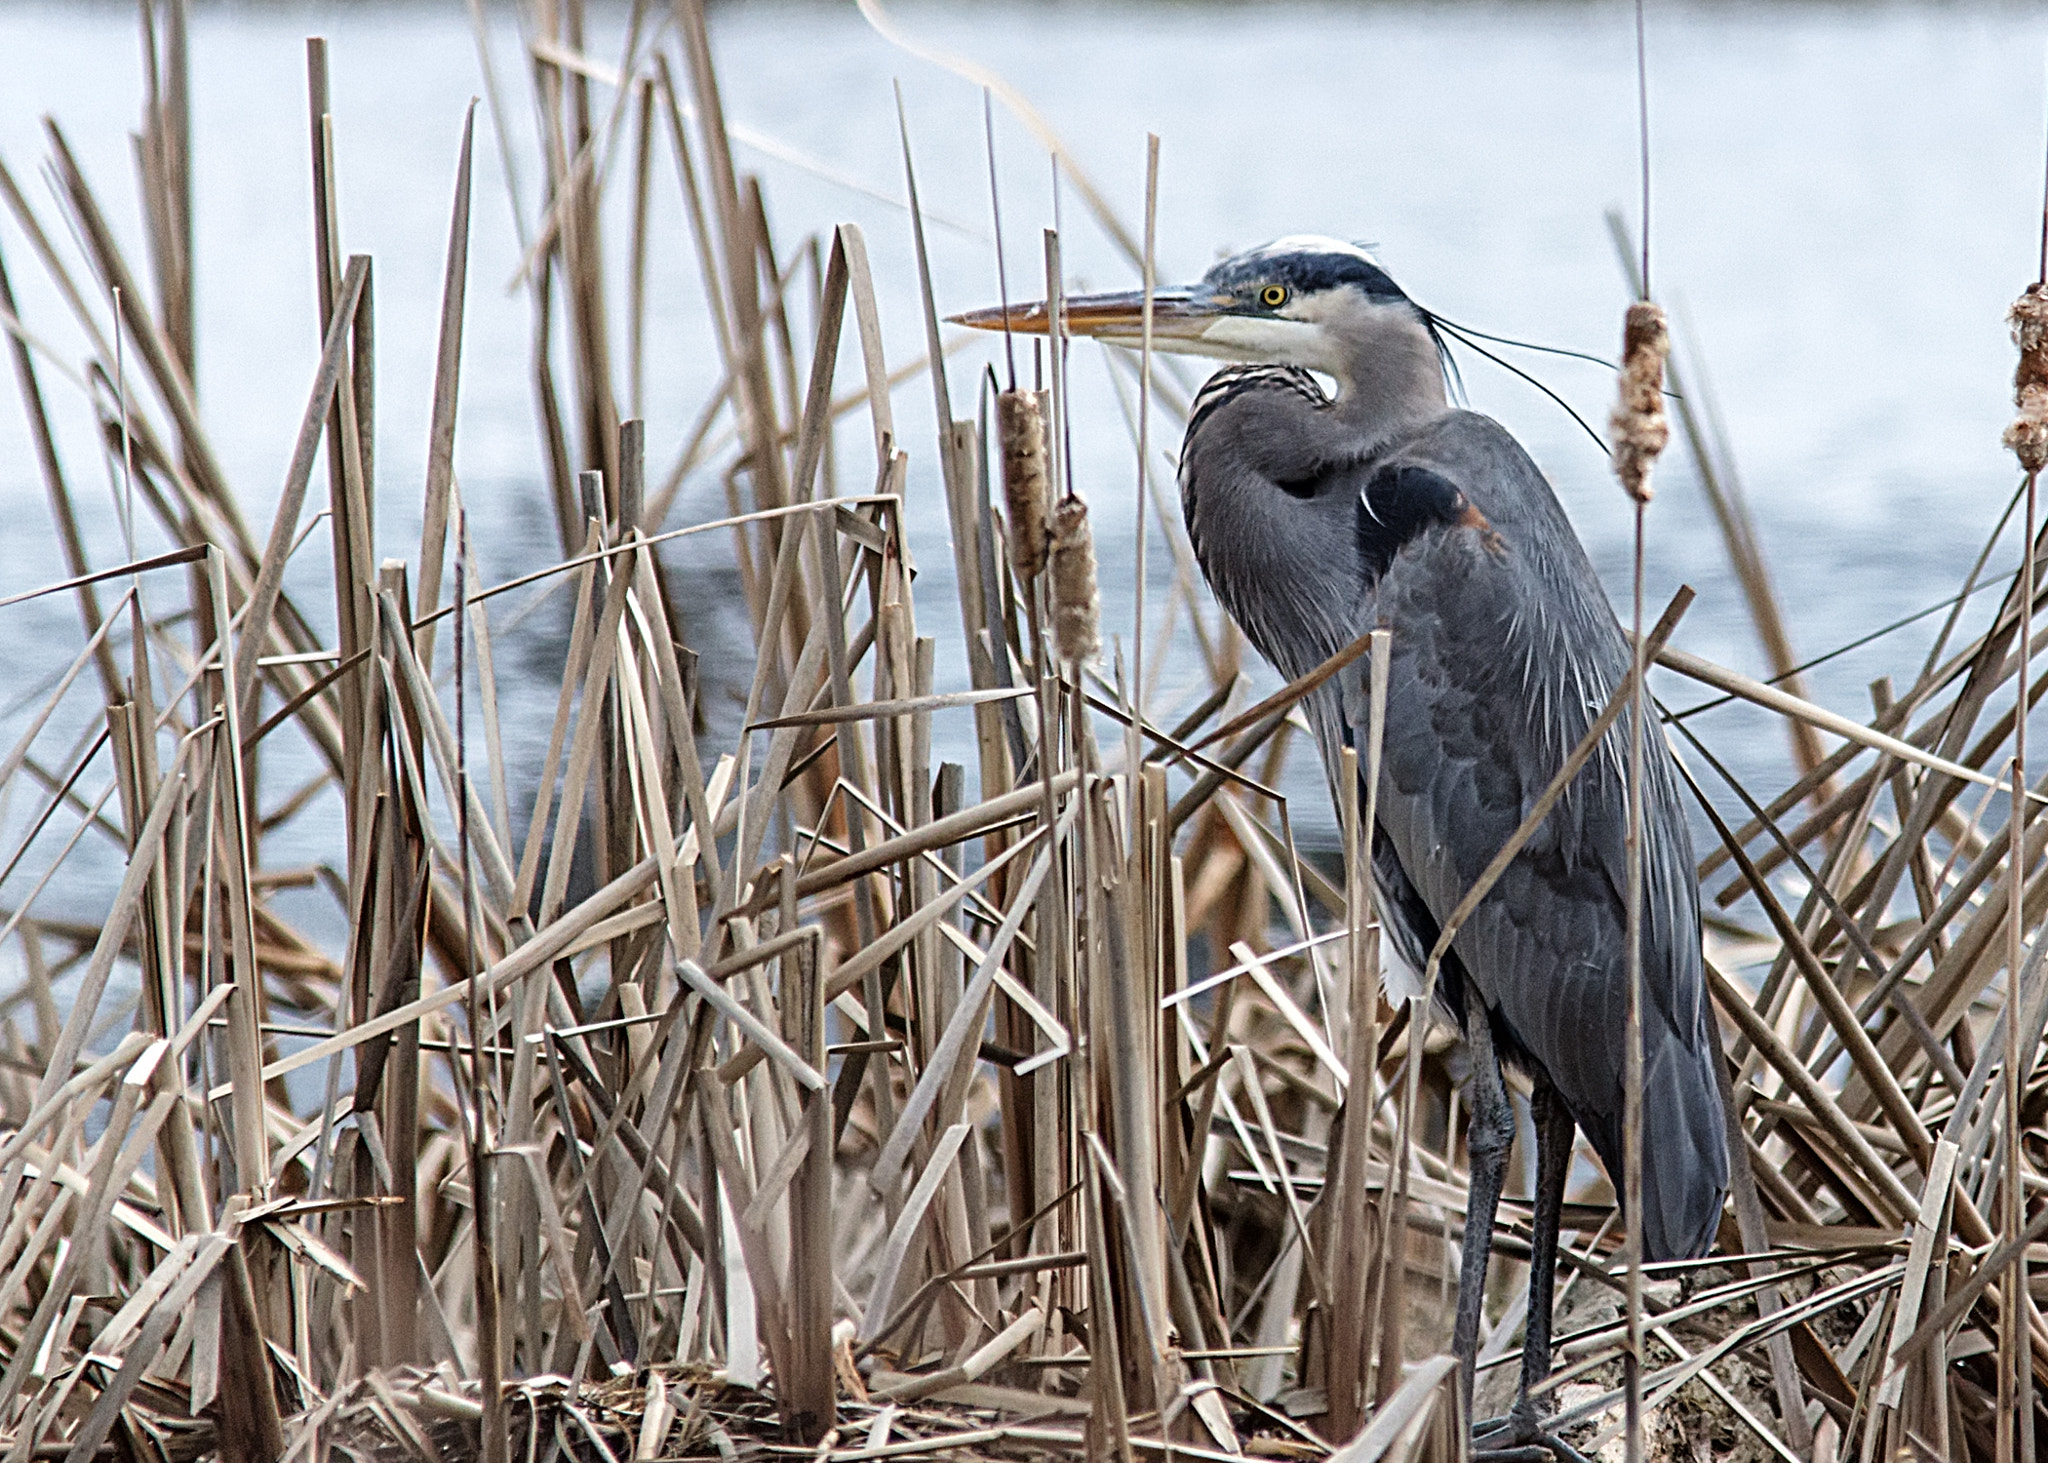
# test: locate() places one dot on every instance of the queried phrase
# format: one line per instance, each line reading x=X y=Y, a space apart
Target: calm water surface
x=1846 y=199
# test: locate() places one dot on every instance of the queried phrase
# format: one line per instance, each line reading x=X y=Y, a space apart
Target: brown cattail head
x=1076 y=607
x=2028 y=434
x=1020 y=419
x=1638 y=424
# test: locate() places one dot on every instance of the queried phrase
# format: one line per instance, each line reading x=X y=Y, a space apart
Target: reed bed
x=794 y=1095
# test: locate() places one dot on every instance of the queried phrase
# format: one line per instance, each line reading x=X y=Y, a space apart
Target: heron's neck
x=1389 y=376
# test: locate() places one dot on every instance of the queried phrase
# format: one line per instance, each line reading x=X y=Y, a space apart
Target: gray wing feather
x=1504 y=651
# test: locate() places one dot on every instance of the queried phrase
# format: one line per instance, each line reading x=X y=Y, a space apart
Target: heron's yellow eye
x=1273 y=296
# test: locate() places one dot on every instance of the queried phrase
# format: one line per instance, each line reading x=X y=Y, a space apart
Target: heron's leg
x=1491 y=1134
x=1522 y=1436
x=1554 y=1130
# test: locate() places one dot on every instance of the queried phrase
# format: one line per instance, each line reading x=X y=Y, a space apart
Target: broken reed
x=951 y=1107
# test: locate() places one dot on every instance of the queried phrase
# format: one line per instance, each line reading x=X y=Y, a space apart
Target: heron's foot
x=1523 y=1436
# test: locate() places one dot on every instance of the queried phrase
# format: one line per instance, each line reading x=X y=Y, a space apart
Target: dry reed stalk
x=603 y=1113
x=447 y=376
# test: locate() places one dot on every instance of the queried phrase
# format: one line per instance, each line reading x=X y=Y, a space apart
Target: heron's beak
x=1179 y=317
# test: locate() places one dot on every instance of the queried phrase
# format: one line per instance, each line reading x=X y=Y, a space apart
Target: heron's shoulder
x=1495 y=474
x=1462 y=443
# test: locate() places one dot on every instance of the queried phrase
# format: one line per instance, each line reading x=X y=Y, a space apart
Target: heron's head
x=1301 y=301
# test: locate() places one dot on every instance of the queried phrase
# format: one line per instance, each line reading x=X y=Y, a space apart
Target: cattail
x=1638 y=424
x=2028 y=434
x=1076 y=608
x=1020 y=417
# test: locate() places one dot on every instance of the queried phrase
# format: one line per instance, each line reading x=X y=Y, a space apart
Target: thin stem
x=2015 y=1401
x=1632 y=1111
x=490 y=1364
x=2017 y=911
x=1144 y=445
x=1643 y=139
x=995 y=205
x=127 y=445
x=2042 y=277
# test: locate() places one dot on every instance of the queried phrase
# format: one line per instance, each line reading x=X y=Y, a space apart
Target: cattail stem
x=2028 y=439
x=1640 y=433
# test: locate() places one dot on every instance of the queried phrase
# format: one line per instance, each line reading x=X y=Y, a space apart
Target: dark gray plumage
x=1317 y=519
x=1504 y=650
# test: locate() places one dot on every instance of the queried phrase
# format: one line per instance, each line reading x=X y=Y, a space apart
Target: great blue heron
x=1318 y=517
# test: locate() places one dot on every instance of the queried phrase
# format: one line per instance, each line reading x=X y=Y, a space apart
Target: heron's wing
x=1504 y=652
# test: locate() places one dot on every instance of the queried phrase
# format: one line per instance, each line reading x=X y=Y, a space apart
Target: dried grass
x=906 y=1119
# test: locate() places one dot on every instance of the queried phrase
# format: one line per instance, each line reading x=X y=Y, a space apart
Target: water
x=1846 y=198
